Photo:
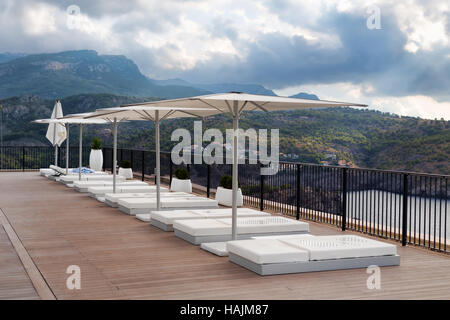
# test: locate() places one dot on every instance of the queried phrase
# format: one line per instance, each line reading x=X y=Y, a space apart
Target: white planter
x=96 y=160
x=225 y=197
x=178 y=185
x=127 y=173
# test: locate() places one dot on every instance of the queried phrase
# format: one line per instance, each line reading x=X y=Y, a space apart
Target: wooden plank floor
x=14 y=281
x=122 y=258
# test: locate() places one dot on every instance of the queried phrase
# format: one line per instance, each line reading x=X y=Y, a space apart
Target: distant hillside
x=362 y=138
x=57 y=75
x=68 y=73
x=218 y=87
x=228 y=87
x=6 y=57
x=303 y=95
x=19 y=112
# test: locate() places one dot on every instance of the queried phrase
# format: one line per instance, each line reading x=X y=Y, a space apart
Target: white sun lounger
x=47 y=171
x=267 y=256
x=70 y=179
x=99 y=192
x=84 y=185
x=62 y=171
x=197 y=231
x=112 y=199
x=53 y=171
x=220 y=248
x=133 y=206
x=164 y=219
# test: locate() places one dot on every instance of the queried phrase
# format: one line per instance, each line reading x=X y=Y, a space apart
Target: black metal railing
x=412 y=208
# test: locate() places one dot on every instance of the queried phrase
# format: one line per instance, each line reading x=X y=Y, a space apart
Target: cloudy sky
x=335 y=49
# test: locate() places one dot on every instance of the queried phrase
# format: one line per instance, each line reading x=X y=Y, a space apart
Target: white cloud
x=418 y=106
x=174 y=37
x=414 y=105
x=39 y=19
x=188 y=25
x=424 y=25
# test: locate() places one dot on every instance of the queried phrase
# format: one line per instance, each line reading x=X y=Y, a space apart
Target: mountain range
x=85 y=81
x=363 y=138
x=58 y=75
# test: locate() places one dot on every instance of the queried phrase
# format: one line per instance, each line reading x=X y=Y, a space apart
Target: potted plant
x=224 y=193
x=96 y=156
x=181 y=181
x=125 y=169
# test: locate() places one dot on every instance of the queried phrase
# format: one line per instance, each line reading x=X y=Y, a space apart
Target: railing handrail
x=331 y=166
x=401 y=172
x=410 y=207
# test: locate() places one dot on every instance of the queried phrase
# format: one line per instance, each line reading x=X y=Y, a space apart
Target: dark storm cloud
x=273 y=58
x=365 y=56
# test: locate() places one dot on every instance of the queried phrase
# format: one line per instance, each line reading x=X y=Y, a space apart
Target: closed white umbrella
x=56 y=132
x=156 y=114
x=66 y=122
x=236 y=103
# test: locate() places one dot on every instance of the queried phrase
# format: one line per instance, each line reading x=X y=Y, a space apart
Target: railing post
x=104 y=158
x=59 y=157
x=261 y=189
x=170 y=172
x=131 y=159
x=297 y=190
x=23 y=158
x=143 y=164
x=344 y=199
x=112 y=160
x=405 y=209
x=208 y=180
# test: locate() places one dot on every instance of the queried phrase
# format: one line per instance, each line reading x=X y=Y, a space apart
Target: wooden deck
x=123 y=258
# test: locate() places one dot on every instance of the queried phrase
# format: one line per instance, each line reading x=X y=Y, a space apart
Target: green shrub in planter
x=182 y=174
x=96 y=144
x=227 y=182
x=125 y=164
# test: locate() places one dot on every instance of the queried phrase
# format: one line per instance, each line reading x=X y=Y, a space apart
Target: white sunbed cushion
x=268 y=225
x=45 y=171
x=166 y=202
x=284 y=236
x=205 y=227
x=168 y=217
x=85 y=183
x=89 y=177
x=212 y=212
x=99 y=189
x=104 y=177
x=63 y=171
x=263 y=251
x=143 y=217
x=341 y=247
x=217 y=248
x=188 y=202
x=114 y=197
x=227 y=212
x=177 y=194
x=101 y=183
x=141 y=188
x=202 y=227
x=119 y=189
